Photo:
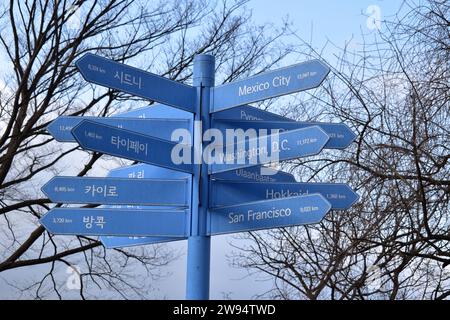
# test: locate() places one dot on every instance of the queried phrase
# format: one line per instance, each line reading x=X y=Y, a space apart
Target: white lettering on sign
x=286 y=193
x=93 y=135
x=281 y=81
x=134 y=145
x=95 y=68
x=243 y=156
x=258 y=87
x=305 y=75
x=105 y=190
x=63 y=128
x=278 y=81
x=62 y=221
x=246 y=116
x=254 y=176
x=128 y=79
x=309 y=209
x=137 y=174
x=251 y=215
x=64 y=189
x=272 y=194
x=306 y=141
x=90 y=221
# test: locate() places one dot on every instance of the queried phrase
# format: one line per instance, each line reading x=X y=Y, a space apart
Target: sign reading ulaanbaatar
x=265 y=149
x=299 y=77
x=258 y=174
x=137 y=82
x=194 y=179
x=127 y=144
x=117 y=222
x=225 y=193
x=268 y=214
x=61 y=127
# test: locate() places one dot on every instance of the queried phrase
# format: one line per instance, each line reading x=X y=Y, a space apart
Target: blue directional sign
x=115 y=222
x=117 y=191
x=137 y=82
x=225 y=193
x=110 y=242
x=247 y=113
x=129 y=145
x=340 y=134
x=61 y=127
x=156 y=111
x=257 y=174
x=270 y=84
x=268 y=214
x=287 y=145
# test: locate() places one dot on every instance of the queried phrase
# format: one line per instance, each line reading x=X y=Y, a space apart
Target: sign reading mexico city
x=203 y=161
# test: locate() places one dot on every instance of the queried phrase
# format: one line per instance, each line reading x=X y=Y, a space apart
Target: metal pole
x=199 y=244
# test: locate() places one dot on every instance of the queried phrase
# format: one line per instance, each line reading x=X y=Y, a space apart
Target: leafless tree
x=395 y=242
x=40 y=41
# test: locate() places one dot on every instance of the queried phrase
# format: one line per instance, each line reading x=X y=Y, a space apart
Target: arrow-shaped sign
x=61 y=127
x=110 y=242
x=287 y=145
x=257 y=174
x=225 y=193
x=115 y=222
x=268 y=214
x=117 y=191
x=270 y=84
x=137 y=82
x=340 y=134
x=129 y=145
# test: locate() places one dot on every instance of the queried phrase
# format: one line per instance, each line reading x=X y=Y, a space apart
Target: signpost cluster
x=197 y=186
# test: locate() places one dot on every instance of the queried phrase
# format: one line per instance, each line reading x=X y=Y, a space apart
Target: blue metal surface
x=115 y=222
x=127 y=144
x=247 y=113
x=291 y=144
x=268 y=214
x=111 y=242
x=225 y=193
x=199 y=243
x=295 y=78
x=256 y=174
x=137 y=82
x=61 y=127
x=340 y=134
x=89 y=190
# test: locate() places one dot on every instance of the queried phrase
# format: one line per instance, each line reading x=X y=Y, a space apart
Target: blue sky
x=326 y=20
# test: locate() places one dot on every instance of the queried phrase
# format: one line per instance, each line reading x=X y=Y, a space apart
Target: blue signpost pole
x=199 y=244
